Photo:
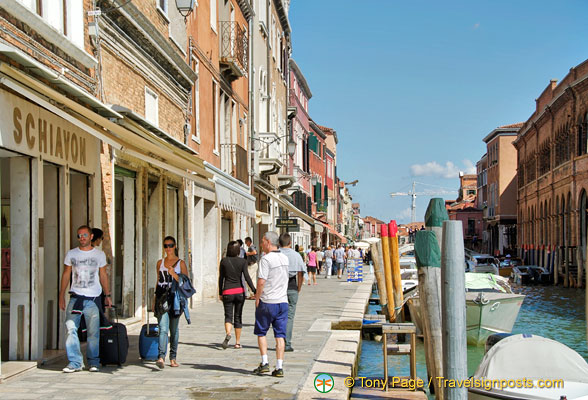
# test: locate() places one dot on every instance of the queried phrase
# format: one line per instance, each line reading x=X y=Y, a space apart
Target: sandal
x=225 y=343
x=237 y=346
x=173 y=363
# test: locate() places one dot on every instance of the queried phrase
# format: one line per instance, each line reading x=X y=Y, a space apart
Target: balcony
x=234 y=54
x=234 y=162
x=270 y=155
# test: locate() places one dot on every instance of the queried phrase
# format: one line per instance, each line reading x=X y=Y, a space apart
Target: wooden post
x=428 y=259
x=430 y=288
x=455 y=362
x=396 y=276
x=387 y=272
x=378 y=260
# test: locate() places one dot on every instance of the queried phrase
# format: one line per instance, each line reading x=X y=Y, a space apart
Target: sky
x=412 y=87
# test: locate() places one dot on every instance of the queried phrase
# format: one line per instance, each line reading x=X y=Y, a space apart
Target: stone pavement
x=206 y=370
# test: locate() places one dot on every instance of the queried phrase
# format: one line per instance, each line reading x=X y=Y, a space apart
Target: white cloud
x=470 y=168
x=476 y=25
x=449 y=170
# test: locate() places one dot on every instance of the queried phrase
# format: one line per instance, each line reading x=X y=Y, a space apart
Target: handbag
x=162 y=305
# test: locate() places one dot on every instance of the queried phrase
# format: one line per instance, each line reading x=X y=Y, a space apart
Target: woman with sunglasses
x=232 y=291
x=168 y=268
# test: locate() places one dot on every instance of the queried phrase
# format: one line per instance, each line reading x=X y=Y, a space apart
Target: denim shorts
x=275 y=315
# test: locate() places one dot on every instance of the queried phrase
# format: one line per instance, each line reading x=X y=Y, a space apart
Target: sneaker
x=278 y=373
x=288 y=349
x=69 y=369
x=94 y=368
x=263 y=368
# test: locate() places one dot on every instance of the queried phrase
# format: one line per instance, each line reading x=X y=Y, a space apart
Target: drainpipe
x=267 y=67
x=252 y=132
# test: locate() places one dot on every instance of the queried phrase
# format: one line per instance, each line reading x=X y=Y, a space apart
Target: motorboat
x=410 y=279
x=524 y=358
x=482 y=263
x=491 y=306
x=507 y=264
x=531 y=275
x=408 y=268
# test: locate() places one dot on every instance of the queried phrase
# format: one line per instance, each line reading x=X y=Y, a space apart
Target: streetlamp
x=185 y=7
x=291 y=146
x=313 y=180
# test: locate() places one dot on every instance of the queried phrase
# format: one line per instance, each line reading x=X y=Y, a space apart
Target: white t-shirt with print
x=85 y=279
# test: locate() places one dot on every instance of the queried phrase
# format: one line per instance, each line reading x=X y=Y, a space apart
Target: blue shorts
x=274 y=314
x=338 y=266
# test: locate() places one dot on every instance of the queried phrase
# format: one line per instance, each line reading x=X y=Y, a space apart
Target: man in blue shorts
x=271 y=302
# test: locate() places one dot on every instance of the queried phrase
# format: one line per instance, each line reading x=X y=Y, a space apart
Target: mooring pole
x=376 y=249
x=455 y=363
x=387 y=271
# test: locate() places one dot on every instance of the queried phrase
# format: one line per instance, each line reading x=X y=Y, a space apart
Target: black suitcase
x=114 y=345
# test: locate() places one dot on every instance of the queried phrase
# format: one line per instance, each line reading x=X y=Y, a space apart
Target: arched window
x=557 y=222
x=583 y=224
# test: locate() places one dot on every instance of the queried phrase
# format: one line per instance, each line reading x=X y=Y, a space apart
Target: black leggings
x=234 y=302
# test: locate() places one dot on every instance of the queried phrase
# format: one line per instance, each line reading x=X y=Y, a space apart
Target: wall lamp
x=185 y=7
x=290 y=146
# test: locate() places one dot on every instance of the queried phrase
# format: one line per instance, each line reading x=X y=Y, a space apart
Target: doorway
x=124 y=243
x=51 y=255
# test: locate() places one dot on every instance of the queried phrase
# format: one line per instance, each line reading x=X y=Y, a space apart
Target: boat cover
x=532 y=357
x=479 y=281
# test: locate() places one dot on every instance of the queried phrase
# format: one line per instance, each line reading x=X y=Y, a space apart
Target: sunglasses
x=169 y=245
x=82 y=235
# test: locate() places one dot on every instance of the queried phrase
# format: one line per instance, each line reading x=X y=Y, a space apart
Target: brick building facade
x=553 y=179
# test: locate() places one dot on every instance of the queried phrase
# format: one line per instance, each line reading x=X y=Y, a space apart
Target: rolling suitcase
x=149 y=342
x=114 y=344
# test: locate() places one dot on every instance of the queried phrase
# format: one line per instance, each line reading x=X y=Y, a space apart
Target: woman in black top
x=232 y=292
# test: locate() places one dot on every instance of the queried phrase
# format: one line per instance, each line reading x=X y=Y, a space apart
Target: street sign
x=286 y=222
x=94 y=13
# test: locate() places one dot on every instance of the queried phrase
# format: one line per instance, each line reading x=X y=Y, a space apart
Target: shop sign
x=32 y=130
x=286 y=222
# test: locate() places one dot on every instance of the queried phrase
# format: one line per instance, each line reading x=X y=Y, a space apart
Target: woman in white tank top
x=168 y=268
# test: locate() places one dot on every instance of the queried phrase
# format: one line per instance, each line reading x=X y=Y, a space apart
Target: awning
x=288 y=206
x=262 y=218
x=103 y=128
x=332 y=231
x=231 y=194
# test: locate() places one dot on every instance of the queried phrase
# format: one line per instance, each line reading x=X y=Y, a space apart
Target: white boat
x=532 y=358
x=491 y=307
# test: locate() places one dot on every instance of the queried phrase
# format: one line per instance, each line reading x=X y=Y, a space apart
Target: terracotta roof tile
x=517 y=125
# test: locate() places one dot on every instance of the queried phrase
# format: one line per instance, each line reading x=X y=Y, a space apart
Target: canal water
x=550 y=311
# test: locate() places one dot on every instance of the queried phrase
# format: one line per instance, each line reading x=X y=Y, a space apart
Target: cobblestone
x=206 y=370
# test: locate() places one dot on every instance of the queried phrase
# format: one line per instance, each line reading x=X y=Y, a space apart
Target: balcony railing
x=234 y=162
x=234 y=55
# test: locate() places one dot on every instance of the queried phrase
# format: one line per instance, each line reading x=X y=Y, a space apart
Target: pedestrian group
x=273 y=280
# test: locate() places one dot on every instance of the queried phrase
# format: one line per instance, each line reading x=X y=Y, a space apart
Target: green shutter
x=313 y=143
x=317 y=193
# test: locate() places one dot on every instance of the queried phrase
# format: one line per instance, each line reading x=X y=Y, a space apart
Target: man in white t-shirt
x=271 y=302
x=84 y=266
